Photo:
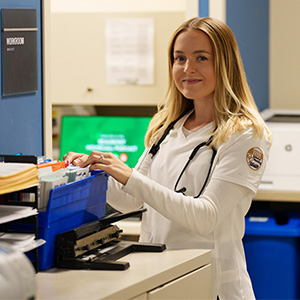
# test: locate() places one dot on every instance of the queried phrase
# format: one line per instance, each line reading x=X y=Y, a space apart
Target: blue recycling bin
x=272 y=252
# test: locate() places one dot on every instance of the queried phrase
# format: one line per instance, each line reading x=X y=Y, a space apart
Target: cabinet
x=84 y=41
x=172 y=274
x=25 y=224
x=194 y=285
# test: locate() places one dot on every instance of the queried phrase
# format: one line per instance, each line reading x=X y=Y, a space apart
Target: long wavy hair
x=234 y=106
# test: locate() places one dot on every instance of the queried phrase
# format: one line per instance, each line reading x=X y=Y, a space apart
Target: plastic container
x=272 y=249
x=70 y=206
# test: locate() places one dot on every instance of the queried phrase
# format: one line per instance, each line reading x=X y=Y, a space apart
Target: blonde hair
x=234 y=106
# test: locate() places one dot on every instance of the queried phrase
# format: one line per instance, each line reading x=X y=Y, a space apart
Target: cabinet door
x=78 y=73
x=194 y=285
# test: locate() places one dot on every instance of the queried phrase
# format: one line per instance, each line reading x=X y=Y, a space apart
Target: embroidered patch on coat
x=255 y=158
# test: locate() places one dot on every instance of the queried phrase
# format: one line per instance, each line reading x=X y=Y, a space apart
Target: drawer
x=194 y=285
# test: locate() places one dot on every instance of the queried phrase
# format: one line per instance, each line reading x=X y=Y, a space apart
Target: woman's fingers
x=75 y=158
x=110 y=164
x=94 y=158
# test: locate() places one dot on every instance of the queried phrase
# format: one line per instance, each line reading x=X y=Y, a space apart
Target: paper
x=76 y=173
x=130 y=51
x=49 y=182
x=21 y=241
x=10 y=213
x=17 y=176
x=13 y=169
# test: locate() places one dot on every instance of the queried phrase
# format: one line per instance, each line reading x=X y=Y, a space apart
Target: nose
x=189 y=66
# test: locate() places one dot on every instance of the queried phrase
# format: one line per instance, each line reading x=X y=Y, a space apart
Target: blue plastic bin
x=272 y=254
x=70 y=206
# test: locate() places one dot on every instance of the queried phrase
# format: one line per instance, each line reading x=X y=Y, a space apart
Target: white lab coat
x=213 y=221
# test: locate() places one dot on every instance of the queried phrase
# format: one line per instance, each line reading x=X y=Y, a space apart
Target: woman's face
x=193 y=67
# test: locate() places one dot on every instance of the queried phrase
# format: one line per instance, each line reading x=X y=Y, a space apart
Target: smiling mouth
x=191 y=81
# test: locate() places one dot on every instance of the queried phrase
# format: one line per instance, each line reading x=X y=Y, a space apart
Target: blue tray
x=70 y=206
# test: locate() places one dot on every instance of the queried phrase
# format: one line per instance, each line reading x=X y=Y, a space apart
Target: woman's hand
x=108 y=163
x=75 y=158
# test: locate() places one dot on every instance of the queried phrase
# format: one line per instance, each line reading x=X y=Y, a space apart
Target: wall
x=249 y=21
x=284 y=54
x=21 y=117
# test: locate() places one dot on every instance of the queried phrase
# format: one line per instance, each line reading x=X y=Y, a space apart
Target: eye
x=179 y=58
x=202 y=58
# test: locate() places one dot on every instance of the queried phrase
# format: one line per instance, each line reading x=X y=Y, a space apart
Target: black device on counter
x=97 y=245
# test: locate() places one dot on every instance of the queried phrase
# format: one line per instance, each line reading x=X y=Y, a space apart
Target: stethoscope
x=155 y=148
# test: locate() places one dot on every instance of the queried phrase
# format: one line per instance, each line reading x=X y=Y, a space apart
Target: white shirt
x=213 y=221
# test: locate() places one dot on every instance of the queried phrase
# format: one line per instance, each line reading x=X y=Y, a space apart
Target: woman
x=207 y=148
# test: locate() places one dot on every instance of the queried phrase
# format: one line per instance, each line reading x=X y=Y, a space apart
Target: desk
x=277 y=196
x=172 y=274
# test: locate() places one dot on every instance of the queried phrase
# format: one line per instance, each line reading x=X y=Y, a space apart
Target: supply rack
x=16 y=226
x=69 y=206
